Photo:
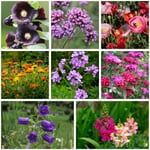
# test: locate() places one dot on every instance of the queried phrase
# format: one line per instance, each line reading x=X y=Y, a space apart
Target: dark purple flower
x=56 y=78
x=32 y=137
x=74 y=77
x=27 y=34
x=23 y=120
x=17 y=46
x=47 y=126
x=43 y=110
x=80 y=94
x=59 y=4
x=10 y=39
x=61 y=66
x=41 y=14
x=48 y=138
x=57 y=16
x=78 y=59
x=57 y=31
x=93 y=69
x=8 y=21
x=22 y=12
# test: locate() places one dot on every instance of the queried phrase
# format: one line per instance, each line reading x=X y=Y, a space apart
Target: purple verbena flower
x=80 y=94
x=22 y=12
x=56 y=78
x=57 y=16
x=83 y=2
x=23 y=120
x=32 y=137
x=57 y=31
x=61 y=3
x=27 y=34
x=47 y=126
x=43 y=110
x=48 y=138
x=78 y=59
x=61 y=66
x=74 y=77
x=93 y=69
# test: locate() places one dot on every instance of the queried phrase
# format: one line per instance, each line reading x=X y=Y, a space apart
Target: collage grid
x=82 y=109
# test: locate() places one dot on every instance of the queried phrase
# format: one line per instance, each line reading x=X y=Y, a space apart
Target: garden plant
x=112 y=125
x=125 y=75
x=37 y=125
x=74 y=24
x=25 y=75
x=31 y=24
x=75 y=75
x=124 y=25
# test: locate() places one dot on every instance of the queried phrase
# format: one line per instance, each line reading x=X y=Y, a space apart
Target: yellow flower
x=16 y=79
x=34 y=66
x=12 y=84
x=29 y=70
x=40 y=70
x=4 y=73
x=22 y=74
x=15 y=71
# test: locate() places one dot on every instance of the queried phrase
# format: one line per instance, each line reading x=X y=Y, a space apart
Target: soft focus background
x=14 y=136
x=6 y=11
x=88 y=112
x=78 y=40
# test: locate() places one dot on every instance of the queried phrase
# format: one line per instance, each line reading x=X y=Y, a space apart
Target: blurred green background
x=88 y=112
x=78 y=40
x=14 y=136
x=6 y=11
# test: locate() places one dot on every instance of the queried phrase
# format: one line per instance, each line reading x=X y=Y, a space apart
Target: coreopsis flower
x=43 y=110
x=22 y=12
x=105 y=30
x=48 y=138
x=137 y=24
x=27 y=34
x=23 y=120
x=32 y=85
x=78 y=59
x=47 y=126
x=80 y=94
x=32 y=137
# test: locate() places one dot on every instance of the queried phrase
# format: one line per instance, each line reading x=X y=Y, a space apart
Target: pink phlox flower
x=111 y=59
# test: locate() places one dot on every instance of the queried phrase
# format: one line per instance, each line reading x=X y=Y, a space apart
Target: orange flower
x=29 y=70
x=46 y=69
x=39 y=61
x=15 y=71
x=29 y=65
x=9 y=63
x=128 y=16
x=12 y=67
x=12 y=84
x=43 y=78
x=117 y=33
x=3 y=84
x=4 y=73
x=32 y=85
x=6 y=92
x=22 y=74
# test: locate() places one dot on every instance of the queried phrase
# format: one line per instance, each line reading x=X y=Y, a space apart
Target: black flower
x=22 y=12
x=41 y=14
x=8 y=21
x=27 y=34
x=10 y=39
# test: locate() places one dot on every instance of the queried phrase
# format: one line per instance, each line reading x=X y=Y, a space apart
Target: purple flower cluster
x=26 y=34
x=47 y=126
x=64 y=25
x=93 y=69
x=111 y=59
x=60 y=4
x=136 y=54
x=78 y=62
x=78 y=59
x=75 y=78
x=83 y=2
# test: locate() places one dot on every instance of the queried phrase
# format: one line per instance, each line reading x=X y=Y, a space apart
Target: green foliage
x=34 y=4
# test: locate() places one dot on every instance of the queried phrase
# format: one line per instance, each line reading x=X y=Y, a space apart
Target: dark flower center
x=27 y=36
x=23 y=13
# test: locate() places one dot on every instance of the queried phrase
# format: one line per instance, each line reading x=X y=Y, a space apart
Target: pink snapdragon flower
x=105 y=30
x=137 y=24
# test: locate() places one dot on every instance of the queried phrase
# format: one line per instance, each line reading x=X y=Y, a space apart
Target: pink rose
x=137 y=24
x=105 y=30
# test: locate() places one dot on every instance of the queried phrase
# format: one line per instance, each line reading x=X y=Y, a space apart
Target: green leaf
x=36 y=46
x=43 y=35
x=34 y=4
x=94 y=143
x=44 y=22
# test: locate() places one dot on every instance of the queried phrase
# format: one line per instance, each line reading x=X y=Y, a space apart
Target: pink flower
x=126 y=30
x=105 y=30
x=131 y=125
x=106 y=8
x=107 y=95
x=137 y=24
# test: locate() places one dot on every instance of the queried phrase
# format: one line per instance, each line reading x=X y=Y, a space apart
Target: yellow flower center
x=23 y=13
x=138 y=24
x=27 y=36
x=104 y=30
